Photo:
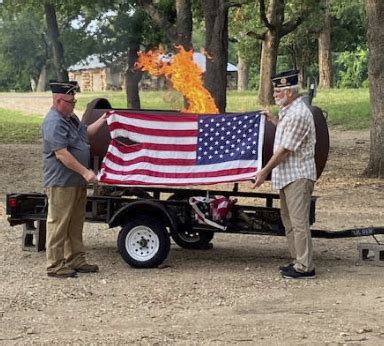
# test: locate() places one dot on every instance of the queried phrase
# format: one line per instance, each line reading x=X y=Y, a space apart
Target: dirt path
x=231 y=294
x=31 y=104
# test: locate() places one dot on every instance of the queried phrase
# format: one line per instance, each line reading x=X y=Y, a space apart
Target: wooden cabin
x=94 y=75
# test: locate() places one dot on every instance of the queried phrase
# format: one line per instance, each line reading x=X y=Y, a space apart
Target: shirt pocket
x=76 y=141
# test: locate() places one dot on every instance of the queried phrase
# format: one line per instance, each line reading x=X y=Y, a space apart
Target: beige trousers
x=295 y=202
x=66 y=215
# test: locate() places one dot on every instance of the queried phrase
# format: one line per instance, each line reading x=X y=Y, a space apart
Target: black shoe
x=285 y=268
x=291 y=273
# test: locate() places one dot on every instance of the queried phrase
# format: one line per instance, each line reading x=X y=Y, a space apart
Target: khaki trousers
x=66 y=215
x=295 y=202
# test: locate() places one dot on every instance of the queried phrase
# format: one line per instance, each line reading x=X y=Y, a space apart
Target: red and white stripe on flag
x=182 y=149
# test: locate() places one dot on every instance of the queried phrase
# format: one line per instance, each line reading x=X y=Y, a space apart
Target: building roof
x=90 y=62
x=93 y=62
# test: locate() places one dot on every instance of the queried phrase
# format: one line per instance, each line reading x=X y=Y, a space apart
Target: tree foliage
x=349 y=43
x=24 y=44
x=117 y=24
x=353 y=68
x=242 y=20
x=23 y=49
x=298 y=49
x=348 y=25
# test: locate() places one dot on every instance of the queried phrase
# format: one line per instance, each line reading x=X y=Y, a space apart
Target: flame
x=184 y=74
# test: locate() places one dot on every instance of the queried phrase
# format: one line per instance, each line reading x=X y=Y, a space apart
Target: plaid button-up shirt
x=296 y=132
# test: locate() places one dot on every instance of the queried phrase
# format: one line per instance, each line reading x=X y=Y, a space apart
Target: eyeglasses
x=72 y=102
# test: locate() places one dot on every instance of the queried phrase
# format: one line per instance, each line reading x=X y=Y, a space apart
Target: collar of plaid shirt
x=283 y=111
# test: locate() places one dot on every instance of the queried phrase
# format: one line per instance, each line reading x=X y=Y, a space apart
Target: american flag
x=182 y=149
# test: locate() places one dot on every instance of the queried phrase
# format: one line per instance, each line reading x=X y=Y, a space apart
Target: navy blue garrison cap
x=68 y=88
x=286 y=79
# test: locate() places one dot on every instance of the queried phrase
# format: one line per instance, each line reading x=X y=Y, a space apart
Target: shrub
x=353 y=68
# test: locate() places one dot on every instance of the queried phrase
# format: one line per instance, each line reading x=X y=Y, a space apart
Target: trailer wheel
x=185 y=236
x=190 y=239
x=144 y=242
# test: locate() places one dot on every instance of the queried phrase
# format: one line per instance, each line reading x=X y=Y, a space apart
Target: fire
x=185 y=76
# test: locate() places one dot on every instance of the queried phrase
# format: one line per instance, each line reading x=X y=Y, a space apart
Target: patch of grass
x=171 y=100
x=348 y=108
x=15 y=127
x=242 y=101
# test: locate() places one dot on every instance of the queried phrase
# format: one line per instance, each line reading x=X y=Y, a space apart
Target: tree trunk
x=184 y=28
x=132 y=78
x=276 y=28
x=268 y=61
x=216 y=46
x=57 y=47
x=325 y=52
x=302 y=76
x=184 y=24
x=375 y=36
x=269 y=50
x=242 y=74
x=41 y=83
x=179 y=34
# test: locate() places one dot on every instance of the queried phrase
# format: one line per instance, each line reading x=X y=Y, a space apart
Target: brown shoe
x=87 y=268
x=63 y=273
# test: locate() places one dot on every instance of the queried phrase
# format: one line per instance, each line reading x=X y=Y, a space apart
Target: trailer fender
x=143 y=207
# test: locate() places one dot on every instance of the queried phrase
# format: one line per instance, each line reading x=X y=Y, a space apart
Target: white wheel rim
x=142 y=243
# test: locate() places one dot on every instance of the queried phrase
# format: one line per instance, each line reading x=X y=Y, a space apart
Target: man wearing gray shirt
x=66 y=174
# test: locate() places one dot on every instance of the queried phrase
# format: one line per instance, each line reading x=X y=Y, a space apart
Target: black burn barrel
x=99 y=144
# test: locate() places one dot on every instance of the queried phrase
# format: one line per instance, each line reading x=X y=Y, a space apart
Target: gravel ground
x=231 y=294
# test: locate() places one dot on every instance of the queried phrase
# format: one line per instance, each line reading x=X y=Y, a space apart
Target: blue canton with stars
x=230 y=137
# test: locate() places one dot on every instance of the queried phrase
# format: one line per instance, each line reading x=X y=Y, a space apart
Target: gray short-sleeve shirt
x=59 y=133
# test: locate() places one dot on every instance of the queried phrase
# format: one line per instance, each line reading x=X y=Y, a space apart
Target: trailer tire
x=193 y=240
x=144 y=242
x=185 y=236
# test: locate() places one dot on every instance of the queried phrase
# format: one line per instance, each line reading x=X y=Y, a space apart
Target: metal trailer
x=150 y=217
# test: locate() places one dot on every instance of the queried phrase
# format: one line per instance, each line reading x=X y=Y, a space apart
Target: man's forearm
x=93 y=128
x=278 y=157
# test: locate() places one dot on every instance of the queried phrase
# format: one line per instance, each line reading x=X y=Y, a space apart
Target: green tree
x=56 y=44
x=325 y=51
x=23 y=49
x=121 y=35
x=279 y=19
x=242 y=21
x=299 y=49
x=353 y=68
x=55 y=18
x=348 y=25
x=349 y=45
x=216 y=45
x=173 y=17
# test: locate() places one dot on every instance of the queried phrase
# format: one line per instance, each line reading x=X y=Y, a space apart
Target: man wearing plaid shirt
x=293 y=172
